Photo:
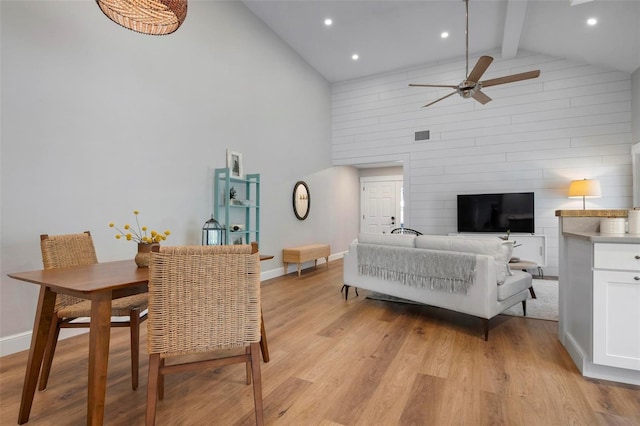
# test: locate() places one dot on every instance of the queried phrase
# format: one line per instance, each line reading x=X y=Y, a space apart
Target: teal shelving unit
x=244 y=210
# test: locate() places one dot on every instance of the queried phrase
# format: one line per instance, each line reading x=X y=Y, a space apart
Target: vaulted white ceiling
x=395 y=34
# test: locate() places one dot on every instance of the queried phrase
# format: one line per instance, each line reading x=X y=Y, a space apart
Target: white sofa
x=492 y=289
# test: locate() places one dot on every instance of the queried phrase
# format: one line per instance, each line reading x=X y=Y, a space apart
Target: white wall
x=635 y=105
x=381 y=171
x=98 y=121
x=572 y=122
x=635 y=121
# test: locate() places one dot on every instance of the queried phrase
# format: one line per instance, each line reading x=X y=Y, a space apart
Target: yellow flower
x=139 y=234
x=167 y=232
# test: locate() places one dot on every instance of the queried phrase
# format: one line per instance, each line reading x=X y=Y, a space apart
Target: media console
x=531 y=247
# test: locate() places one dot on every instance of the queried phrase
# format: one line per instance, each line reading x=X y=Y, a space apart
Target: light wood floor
x=360 y=362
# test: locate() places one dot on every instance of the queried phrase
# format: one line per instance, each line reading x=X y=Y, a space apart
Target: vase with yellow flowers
x=145 y=239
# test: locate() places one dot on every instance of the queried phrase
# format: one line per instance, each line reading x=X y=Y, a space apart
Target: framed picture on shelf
x=234 y=163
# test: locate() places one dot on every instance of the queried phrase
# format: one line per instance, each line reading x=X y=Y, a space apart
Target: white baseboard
x=575 y=351
x=595 y=371
x=15 y=343
x=22 y=341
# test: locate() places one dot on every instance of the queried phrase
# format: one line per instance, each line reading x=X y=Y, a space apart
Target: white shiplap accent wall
x=574 y=121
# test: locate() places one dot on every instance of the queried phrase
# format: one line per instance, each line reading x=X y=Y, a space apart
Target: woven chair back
x=203 y=298
x=61 y=251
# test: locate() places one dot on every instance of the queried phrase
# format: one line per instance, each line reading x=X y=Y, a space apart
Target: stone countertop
x=597 y=237
x=593 y=213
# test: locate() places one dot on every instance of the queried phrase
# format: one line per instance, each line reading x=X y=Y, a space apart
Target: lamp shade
x=155 y=17
x=587 y=188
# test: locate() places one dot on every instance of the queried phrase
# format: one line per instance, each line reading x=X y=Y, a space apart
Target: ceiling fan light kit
x=471 y=86
x=153 y=17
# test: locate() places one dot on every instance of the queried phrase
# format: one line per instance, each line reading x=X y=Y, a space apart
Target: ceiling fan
x=471 y=86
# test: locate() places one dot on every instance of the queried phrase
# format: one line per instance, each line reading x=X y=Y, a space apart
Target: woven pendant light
x=155 y=17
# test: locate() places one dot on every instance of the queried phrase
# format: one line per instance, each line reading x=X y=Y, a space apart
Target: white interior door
x=380 y=204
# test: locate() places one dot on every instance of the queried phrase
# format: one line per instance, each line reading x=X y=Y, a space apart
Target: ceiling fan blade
x=511 y=78
x=438 y=100
x=481 y=66
x=433 y=85
x=481 y=97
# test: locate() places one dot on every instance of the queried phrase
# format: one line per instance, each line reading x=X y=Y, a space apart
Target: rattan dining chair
x=59 y=251
x=203 y=299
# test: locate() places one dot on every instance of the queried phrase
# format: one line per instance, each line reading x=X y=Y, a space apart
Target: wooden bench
x=306 y=253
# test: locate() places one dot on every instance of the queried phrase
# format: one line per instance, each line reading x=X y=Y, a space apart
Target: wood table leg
x=41 y=327
x=264 y=348
x=99 y=335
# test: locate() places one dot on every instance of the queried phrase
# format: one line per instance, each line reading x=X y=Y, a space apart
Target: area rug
x=545 y=306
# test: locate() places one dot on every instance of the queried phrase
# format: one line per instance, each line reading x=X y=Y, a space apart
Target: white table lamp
x=585 y=188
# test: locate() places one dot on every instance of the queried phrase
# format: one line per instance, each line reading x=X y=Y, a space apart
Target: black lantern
x=213 y=233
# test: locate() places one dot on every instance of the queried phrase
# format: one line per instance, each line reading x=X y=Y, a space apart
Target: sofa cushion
x=398 y=240
x=514 y=284
x=496 y=248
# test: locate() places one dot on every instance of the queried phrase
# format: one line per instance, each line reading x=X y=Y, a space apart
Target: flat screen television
x=496 y=212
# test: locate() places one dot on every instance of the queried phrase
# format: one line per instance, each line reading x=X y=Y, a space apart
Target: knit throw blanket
x=451 y=272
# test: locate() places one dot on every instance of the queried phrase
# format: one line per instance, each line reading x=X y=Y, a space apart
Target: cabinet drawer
x=616 y=256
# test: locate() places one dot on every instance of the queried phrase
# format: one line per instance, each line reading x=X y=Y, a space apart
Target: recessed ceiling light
x=444 y=34
x=328 y=22
x=592 y=21
x=355 y=56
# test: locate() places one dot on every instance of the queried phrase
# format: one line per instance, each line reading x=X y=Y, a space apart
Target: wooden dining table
x=100 y=283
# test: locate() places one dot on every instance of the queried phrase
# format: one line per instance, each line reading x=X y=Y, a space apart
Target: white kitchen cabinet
x=599 y=303
x=616 y=305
